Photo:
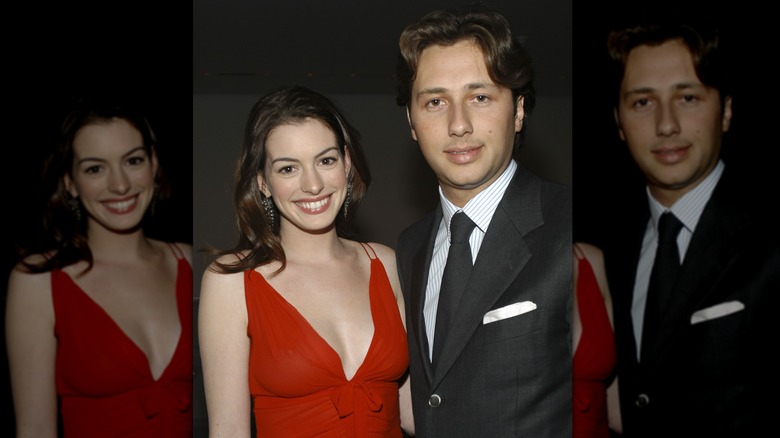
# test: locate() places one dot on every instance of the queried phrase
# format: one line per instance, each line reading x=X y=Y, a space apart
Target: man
x=695 y=361
x=503 y=366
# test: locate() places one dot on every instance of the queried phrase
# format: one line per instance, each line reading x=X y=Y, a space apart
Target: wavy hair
x=258 y=241
x=64 y=221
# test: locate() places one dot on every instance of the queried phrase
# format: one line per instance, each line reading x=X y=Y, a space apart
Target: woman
x=314 y=319
x=101 y=322
x=596 y=407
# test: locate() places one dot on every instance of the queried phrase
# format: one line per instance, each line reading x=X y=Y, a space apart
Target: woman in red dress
x=299 y=323
x=594 y=387
x=100 y=322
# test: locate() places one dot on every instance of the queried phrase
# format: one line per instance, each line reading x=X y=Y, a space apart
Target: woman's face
x=112 y=174
x=306 y=175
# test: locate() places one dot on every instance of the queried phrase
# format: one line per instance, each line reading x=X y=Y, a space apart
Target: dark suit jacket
x=512 y=377
x=711 y=378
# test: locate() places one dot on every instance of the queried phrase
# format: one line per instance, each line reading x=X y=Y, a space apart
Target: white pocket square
x=716 y=311
x=508 y=311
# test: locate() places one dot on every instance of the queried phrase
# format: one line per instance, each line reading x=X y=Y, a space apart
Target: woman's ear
x=155 y=163
x=619 y=126
x=347 y=163
x=70 y=186
x=262 y=185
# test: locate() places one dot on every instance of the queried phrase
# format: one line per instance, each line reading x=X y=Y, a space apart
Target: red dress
x=103 y=379
x=297 y=380
x=594 y=360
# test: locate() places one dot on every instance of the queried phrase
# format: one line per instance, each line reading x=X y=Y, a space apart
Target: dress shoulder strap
x=578 y=252
x=366 y=247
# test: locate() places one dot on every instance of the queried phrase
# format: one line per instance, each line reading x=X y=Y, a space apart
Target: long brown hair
x=258 y=235
x=65 y=221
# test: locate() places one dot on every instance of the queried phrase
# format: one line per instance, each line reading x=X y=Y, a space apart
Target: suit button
x=434 y=401
x=642 y=400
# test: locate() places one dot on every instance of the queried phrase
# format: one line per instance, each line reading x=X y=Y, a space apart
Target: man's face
x=465 y=124
x=672 y=123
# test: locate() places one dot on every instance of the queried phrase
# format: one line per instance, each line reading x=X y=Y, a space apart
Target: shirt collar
x=689 y=207
x=481 y=207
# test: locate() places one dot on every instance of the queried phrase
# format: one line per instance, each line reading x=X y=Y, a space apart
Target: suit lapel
x=621 y=267
x=421 y=264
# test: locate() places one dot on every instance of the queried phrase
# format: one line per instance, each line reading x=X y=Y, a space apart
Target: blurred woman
x=100 y=322
x=594 y=389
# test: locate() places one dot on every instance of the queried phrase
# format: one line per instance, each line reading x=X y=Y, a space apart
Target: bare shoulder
x=383 y=251
x=595 y=257
x=33 y=259
x=215 y=277
x=186 y=248
x=592 y=252
x=222 y=301
x=33 y=288
x=387 y=257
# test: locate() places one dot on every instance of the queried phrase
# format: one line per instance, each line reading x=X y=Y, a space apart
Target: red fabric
x=594 y=360
x=103 y=379
x=297 y=380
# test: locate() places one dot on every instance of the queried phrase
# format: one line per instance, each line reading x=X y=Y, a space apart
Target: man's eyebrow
x=469 y=86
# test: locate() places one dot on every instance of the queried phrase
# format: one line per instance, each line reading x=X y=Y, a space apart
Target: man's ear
x=411 y=126
x=519 y=114
x=617 y=122
x=726 y=122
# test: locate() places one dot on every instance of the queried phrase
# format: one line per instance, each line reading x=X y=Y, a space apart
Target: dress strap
x=177 y=252
x=578 y=252
x=371 y=255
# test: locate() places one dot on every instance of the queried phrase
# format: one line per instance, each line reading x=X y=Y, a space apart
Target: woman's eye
x=136 y=160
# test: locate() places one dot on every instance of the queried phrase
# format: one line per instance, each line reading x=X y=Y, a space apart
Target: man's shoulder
x=417 y=230
x=557 y=193
x=526 y=182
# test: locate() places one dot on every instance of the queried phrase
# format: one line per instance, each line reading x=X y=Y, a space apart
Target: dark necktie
x=662 y=277
x=453 y=281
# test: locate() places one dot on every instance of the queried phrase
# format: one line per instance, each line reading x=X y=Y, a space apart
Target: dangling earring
x=75 y=207
x=268 y=206
x=346 y=200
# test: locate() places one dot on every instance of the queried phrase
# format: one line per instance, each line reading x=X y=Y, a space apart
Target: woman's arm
x=224 y=352
x=387 y=256
x=32 y=350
